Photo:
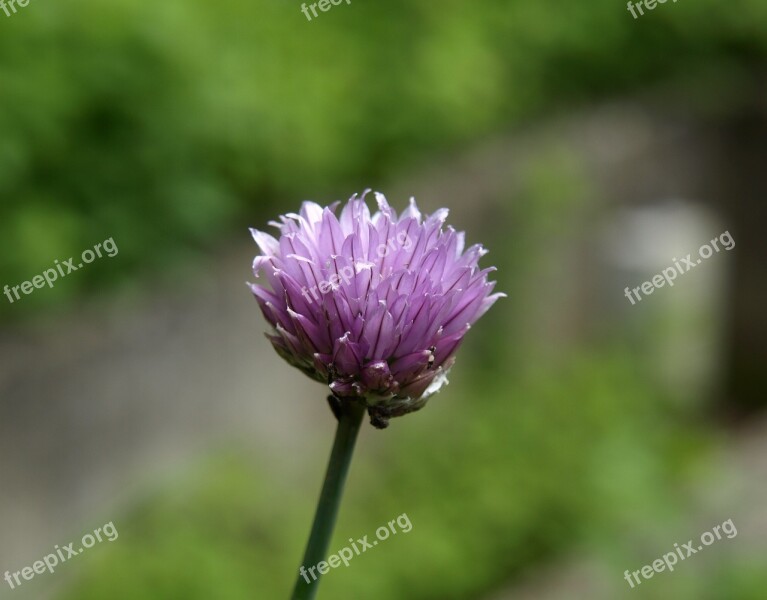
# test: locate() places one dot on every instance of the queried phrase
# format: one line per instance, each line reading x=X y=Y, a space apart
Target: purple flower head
x=374 y=306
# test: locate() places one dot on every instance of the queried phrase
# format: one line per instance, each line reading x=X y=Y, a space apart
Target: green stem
x=349 y=422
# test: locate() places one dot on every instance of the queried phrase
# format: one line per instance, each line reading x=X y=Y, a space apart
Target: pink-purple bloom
x=374 y=306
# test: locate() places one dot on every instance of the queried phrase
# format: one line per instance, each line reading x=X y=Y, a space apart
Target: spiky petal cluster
x=374 y=306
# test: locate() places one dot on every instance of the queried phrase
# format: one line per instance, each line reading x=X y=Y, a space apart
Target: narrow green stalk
x=349 y=421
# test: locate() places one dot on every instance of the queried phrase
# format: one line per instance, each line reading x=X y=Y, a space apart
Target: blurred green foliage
x=160 y=125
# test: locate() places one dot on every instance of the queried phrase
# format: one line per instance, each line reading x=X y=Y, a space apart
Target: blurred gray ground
x=121 y=395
